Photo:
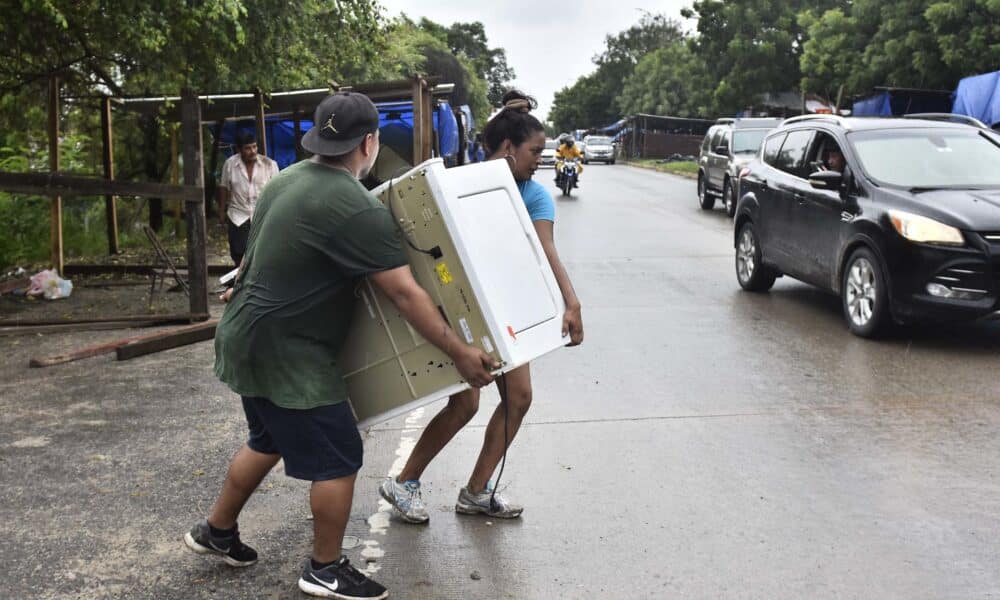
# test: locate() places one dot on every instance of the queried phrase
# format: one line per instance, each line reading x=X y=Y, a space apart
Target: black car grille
x=992 y=239
x=967 y=276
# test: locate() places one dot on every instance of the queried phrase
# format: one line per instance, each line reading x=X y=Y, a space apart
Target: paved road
x=703 y=443
x=706 y=442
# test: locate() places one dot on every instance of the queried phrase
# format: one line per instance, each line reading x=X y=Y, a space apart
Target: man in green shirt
x=315 y=232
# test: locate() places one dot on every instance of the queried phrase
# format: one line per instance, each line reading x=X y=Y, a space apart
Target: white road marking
x=378 y=523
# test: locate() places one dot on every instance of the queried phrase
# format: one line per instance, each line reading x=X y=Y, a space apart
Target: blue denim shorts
x=316 y=444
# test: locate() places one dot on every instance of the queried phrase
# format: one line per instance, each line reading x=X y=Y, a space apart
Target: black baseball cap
x=340 y=122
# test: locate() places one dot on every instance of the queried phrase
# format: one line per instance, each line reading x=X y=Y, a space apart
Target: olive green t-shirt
x=315 y=231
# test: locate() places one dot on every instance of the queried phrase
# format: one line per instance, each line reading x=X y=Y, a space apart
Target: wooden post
x=261 y=129
x=57 y=231
x=428 y=136
x=212 y=185
x=421 y=117
x=175 y=175
x=194 y=211
x=110 y=203
x=297 y=117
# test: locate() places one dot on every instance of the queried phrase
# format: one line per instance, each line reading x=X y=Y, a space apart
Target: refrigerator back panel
x=474 y=250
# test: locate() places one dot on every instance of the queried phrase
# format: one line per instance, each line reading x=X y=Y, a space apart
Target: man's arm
x=417 y=307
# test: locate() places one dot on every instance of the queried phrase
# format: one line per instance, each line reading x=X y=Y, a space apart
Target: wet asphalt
x=703 y=443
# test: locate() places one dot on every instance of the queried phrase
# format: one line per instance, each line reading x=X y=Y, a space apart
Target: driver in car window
x=834 y=160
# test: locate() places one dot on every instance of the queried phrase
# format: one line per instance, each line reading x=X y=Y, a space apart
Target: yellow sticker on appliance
x=443 y=273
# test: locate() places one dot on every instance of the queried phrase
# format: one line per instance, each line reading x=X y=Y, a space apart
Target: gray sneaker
x=487 y=503
x=405 y=498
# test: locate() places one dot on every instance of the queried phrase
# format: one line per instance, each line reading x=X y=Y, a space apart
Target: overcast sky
x=548 y=44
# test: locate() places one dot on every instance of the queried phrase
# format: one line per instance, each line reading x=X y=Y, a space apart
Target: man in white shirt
x=243 y=176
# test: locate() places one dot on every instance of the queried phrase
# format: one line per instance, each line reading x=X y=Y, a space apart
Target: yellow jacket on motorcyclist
x=569 y=149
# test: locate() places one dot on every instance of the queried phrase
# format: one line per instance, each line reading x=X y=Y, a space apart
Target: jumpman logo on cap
x=329 y=124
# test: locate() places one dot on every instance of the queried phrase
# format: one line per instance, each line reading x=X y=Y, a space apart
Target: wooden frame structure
x=57 y=186
x=192 y=112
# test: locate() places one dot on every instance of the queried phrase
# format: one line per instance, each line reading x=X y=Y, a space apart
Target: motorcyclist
x=568 y=149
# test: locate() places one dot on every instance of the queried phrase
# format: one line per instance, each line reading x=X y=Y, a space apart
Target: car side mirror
x=826 y=180
x=722 y=149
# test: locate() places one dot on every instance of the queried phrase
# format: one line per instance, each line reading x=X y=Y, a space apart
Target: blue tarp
x=614 y=128
x=900 y=102
x=395 y=129
x=874 y=106
x=979 y=96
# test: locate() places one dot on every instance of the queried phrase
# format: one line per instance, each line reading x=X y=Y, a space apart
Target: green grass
x=684 y=169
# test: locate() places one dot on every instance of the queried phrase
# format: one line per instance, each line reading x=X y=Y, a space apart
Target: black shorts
x=316 y=444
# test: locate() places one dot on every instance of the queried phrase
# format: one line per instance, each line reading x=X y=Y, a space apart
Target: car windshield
x=928 y=158
x=598 y=141
x=747 y=141
x=551 y=144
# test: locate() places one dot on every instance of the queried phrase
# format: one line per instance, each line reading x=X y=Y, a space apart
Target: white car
x=597 y=147
x=549 y=153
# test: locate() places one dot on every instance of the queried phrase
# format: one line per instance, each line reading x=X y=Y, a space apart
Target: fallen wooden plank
x=72 y=327
x=110 y=283
x=112 y=346
x=167 y=340
x=13 y=284
x=166 y=318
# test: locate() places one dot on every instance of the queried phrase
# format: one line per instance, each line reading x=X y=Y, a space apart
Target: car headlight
x=926 y=231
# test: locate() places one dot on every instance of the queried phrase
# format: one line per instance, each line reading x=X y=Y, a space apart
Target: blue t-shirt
x=537 y=200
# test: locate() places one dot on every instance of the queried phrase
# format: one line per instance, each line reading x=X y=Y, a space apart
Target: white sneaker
x=405 y=498
x=487 y=503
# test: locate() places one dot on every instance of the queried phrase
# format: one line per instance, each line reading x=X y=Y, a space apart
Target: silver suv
x=598 y=147
x=728 y=146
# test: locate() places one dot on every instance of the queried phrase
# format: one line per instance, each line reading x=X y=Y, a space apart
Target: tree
x=968 y=34
x=833 y=54
x=667 y=81
x=750 y=47
x=905 y=43
x=591 y=100
x=422 y=48
x=469 y=41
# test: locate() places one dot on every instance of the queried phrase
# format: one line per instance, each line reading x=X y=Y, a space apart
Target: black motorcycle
x=566 y=175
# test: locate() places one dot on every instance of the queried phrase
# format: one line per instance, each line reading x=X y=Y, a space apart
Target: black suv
x=899 y=216
x=728 y=146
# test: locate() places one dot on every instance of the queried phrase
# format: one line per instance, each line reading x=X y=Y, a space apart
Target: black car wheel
x=864 y=295
x=729 y=194
x=705 y=199
x=751 y=272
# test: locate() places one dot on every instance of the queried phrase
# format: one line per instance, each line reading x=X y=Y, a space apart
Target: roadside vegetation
x=735 y=52
x=687 y=168
x=740 y=50
x=211 y=46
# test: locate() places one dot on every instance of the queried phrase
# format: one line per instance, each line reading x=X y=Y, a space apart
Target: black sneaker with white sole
x=339 y=580
x=233 y=551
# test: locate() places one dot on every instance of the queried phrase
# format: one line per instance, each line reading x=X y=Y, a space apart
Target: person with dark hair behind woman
x=513 y=135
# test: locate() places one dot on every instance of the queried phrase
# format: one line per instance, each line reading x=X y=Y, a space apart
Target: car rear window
x=793 y=152
x=747 y=141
